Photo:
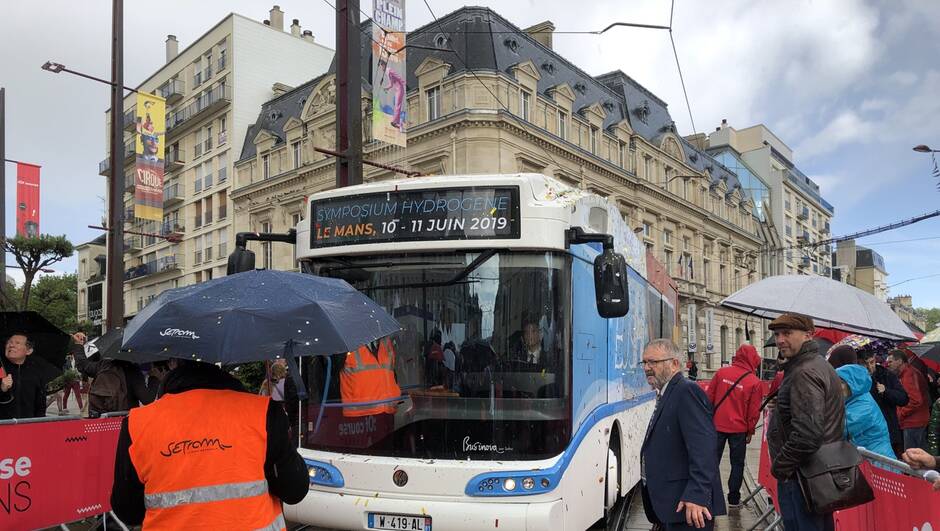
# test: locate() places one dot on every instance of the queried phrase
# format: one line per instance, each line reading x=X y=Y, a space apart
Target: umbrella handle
x=326 y=389
x=295 y=373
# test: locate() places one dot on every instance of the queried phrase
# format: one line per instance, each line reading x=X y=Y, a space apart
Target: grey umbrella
x=831 y=304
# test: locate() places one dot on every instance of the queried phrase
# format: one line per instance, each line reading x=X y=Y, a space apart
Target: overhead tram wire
x=679 y=67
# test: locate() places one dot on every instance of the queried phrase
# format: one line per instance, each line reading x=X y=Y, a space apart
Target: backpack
x=108 y=390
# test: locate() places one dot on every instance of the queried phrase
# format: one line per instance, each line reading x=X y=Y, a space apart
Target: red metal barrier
x=55 y=472
x=902 y=502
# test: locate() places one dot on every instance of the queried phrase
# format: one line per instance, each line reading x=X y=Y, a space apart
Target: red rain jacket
x=739 y=412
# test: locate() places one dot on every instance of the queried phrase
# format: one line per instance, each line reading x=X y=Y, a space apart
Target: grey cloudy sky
x=850 y=85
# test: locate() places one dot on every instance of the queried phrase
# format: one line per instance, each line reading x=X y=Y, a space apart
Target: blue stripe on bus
x=545 y=480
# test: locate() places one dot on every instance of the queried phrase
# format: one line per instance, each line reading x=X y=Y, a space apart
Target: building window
x=197 y=184
x=706 y=266
x=266 y=247
x=648 y=168
x=223 y=132
x=594 y=132
x=622 y=154
x=222 y=161
x=265 y=167
x=721 y=279
x=434 y=103
x=667 y=237
x=563 y=125
x=295 y=151
x=647 y=230
x=525 y=103
x=667 y=256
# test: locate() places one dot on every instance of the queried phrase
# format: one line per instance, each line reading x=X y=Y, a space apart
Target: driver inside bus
x=529 y=350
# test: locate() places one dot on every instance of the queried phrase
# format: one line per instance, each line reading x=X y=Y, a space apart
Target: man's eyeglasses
x=646 y=363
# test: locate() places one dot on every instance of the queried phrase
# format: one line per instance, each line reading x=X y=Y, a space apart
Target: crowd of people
x=816 y=400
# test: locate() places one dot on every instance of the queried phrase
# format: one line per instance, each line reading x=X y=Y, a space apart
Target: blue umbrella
x=253 y=316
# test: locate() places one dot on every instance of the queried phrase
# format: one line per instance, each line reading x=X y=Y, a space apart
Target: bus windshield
x=481 y=362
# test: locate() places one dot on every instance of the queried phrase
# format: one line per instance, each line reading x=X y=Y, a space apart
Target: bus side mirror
x=610 y=284
x=240 y=260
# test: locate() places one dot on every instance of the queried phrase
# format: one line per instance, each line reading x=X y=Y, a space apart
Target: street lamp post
x=115 y=284
x=925 y=149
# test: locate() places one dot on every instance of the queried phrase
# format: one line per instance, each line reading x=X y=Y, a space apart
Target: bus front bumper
x=333 y=510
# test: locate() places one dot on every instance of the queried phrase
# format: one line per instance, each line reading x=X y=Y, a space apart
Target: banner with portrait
x=150 y=150
x=389 y=104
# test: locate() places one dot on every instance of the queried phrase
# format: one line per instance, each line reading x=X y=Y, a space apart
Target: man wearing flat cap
x=809 y=414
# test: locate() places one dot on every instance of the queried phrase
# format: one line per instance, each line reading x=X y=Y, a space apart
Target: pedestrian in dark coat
x=681 y=487
x=889 y=394
x=810 y=412
x=24 y=381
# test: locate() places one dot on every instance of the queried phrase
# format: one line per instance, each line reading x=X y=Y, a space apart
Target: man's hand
x=918 y=458
x=694 y=514
x=6 y=383
x=79 y=338
x=881 y=388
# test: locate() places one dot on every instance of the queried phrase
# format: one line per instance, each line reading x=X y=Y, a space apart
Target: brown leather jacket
x=810 y=411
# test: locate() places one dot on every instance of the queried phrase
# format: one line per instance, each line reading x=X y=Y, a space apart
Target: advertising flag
x=693 y=328
x=388 y=71
x=27 y=200
x=709 y=324
x=150 y=148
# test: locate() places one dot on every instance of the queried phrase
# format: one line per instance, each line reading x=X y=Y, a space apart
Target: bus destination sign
x=413 y=215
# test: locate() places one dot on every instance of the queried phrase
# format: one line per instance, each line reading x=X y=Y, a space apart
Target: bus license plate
x=399 y=522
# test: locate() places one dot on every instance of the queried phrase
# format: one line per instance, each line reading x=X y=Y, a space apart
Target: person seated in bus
x=434 y=360
x=529 y=349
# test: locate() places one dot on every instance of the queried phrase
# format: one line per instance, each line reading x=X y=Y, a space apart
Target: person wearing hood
x=865 y=426
x=206 y=453
x=735 y=393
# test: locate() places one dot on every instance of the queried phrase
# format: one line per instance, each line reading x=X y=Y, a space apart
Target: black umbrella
x=254 y=316
x=49 y=342
x=929 y=351
x=108 y=345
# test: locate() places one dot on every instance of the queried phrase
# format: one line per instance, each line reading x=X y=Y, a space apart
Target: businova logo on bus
x=179 y=333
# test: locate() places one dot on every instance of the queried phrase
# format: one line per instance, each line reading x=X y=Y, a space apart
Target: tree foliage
x=35 y=254
x=55 y=297
x=933 y=317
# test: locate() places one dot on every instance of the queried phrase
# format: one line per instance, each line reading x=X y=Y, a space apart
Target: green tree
x=55 y=297
x=933 y=317
x=35 y=254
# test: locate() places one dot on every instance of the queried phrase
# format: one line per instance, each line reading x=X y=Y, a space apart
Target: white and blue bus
x=521 y=406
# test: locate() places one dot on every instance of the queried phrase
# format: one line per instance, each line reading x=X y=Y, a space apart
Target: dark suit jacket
x=680 y=454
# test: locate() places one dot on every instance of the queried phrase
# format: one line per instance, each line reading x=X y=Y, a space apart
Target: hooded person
x=735 y=393
x=865 y=426
x=842 y=355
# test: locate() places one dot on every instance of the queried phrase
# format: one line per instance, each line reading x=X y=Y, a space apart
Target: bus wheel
x=612 y=483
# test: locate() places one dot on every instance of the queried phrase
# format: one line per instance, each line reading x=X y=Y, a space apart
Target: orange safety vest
x=200 y=455
x=369 y=377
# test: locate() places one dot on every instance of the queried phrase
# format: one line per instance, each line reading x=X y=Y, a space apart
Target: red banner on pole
x=27 y=200
x=56 y=472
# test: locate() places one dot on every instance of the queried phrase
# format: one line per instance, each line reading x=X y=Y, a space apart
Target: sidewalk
x=737 y=519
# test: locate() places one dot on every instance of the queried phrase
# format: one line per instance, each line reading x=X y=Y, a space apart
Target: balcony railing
x=104 y=167
x=166 y=263
x=130 y=118
x=130 y=184
x=205 y=102
x=173 y=195
x=172 y=226
x=132 y=244
x=174 y=159
x=172 y=91
x=803 y=214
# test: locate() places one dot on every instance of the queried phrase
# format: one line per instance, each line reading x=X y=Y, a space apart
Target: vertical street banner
x=709 y=325
x=388 y=72
x=27 y=200
x=150 y=149
x=693 y=328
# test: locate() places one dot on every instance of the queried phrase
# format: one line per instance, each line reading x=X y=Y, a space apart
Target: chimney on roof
x=279 y=89
x=307 y=35
x=266 y=22
x=172 y=48
x=542 y=32
x=295 y=28
x=277 y=18
x=724 y=123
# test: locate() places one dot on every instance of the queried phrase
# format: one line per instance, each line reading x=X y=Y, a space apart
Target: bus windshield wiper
x=460 y=277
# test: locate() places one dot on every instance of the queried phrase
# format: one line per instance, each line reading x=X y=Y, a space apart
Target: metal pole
x=115 y=283
x=3 y=189
x=349 y=90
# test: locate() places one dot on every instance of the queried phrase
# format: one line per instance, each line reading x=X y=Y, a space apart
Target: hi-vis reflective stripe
x=361 y=367
x=227 y=491
x=277 y=525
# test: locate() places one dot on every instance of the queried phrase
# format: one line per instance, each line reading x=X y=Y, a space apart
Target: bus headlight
x=528 y=483
x=509 y=484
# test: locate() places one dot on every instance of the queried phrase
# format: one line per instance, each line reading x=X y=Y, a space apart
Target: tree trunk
x=27 y=284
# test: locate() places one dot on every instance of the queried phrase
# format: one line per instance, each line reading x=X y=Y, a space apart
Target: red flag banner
x=56 y=472
x=27 y=200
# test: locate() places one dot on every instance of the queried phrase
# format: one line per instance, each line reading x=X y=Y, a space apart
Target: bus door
x=589 y=338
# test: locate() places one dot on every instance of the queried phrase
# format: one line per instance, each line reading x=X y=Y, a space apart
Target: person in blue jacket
x=865 y=425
